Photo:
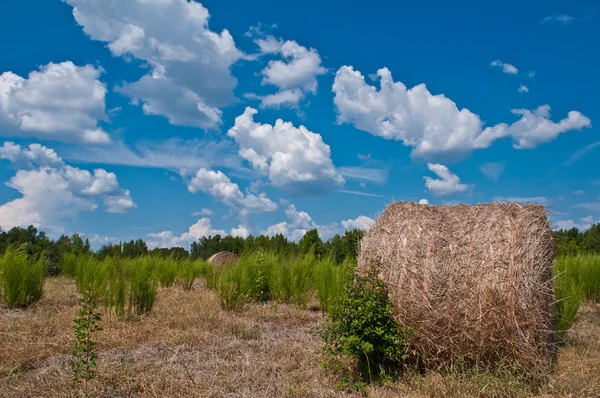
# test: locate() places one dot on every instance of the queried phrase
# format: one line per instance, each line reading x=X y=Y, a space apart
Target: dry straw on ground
x=475 y=281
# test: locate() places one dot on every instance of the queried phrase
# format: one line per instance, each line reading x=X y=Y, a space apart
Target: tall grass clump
x=165 y=270
x=127 y=287
x=187 y=271
x=143 y=289
x=266 y=276
x=22 y=277
x=68 y=265
x=577 y=278
x=330 y=279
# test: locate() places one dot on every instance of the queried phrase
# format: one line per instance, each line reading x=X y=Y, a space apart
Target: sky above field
x=172 y=119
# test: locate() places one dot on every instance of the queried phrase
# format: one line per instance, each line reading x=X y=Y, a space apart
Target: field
x=191 y=344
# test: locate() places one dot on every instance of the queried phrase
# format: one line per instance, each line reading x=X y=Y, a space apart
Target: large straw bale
x=222 y=258
x=474 y=281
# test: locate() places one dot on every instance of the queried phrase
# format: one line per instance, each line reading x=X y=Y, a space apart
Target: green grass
x=22 y=277
x=577 y=279
x=266 y=276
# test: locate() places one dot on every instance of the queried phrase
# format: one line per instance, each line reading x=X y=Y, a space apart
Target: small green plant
x=86 y=324
x=361 y=325
x=22 y=277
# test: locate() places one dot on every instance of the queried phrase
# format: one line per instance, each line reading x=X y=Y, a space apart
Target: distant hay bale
x=474 y=281
x=222 y=258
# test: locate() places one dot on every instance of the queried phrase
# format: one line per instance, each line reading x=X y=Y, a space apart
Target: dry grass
x=189 y=346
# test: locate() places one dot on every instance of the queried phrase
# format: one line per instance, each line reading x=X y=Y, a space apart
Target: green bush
x=361 y=325
x=165 y=270
x=143 y=285
x=187 y=271
x=577 y=278
x=22 y=277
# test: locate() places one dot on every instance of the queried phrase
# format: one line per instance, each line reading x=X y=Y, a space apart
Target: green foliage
x=22 y=277
x=187 y=271
x=143 y=286
x=166 y=270
x=86 y=324
x=361 y=325
x=577 y=279
x=330 y=281
x=572 y=242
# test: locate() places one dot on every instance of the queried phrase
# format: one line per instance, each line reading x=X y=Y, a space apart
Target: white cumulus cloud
x=219 y=186
x=52 y=191
x=297 y=69
x=360 y=222
x=300 y=222
x=62 y=102
x=293 y=158
x=506 y=68
x=189 y=78
x=523 y=89
x=447 y=183
x=433 y=125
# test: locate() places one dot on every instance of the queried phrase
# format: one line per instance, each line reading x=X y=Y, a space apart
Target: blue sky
x=169 y=119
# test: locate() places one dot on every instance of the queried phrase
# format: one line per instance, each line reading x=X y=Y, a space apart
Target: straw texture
x=475 y=281
x=222 y=258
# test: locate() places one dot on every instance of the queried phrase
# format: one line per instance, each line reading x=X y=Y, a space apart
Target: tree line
x=573 y=241
x=52 y=252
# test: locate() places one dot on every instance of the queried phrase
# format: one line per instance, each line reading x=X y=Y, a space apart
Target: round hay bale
x=222 y=258
x=474 y=281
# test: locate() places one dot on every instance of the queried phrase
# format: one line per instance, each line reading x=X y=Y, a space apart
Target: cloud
x=360 y=193
x=52 y=191
x=523 y=89
x=593 y=206
x=493 y=171
x=506 y=68
x=581 y=153
x=300 y=222
x=294 y=74
x=448 y=184
x=172 y=154
x=378 y=176
x=294 y=159
x=578 y=192
x=562 y=19
x=189 y=77
x=423 y=202
x=203 y=227
x=538 y=199
x=531 y=74
x=281 y=99
x=61 y=102
x=203 y=213
x=219 y=186
x=585 y=224
x=433 y=125
x=360 y=222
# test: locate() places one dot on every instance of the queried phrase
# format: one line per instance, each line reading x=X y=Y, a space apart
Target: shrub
x=330 y=280
x=577 y=278
x=143 y=286
x=165 y=270
x=22 y=277
x=86 y=324
x=188 y=271
x=361 y=325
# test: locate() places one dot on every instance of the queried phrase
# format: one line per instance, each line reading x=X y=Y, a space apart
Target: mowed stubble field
x=189 y=346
